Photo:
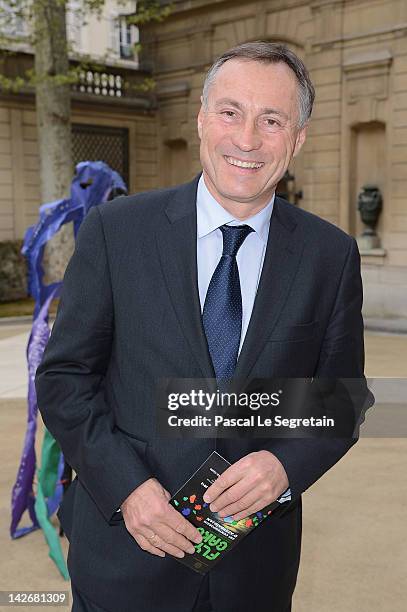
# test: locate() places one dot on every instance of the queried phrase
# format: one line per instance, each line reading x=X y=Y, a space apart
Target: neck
x=239 y=210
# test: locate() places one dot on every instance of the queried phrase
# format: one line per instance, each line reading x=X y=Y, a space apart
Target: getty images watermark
x=198 y=398
x=289 y=407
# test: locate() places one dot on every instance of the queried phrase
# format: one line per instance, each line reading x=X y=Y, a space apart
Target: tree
x=53 y=111
x=52 y=78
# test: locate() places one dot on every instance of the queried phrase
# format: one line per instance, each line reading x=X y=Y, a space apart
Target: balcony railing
x=100 y=83
x=109 y=83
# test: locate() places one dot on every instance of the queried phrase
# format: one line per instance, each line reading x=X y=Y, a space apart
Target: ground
x=353 y=555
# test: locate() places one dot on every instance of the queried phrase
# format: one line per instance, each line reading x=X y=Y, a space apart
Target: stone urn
x=370 y=204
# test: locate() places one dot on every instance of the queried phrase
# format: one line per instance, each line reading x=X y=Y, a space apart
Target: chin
x=232 y=189
x=243 y=198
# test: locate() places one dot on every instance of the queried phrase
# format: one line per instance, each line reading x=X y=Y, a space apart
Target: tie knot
x=233 y=238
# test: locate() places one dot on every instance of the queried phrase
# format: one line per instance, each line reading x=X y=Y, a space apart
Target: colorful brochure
x=219 y=535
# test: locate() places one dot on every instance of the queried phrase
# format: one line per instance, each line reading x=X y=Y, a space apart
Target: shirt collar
x=211 y=215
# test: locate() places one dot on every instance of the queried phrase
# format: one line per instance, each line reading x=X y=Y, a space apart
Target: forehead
x=256 y=84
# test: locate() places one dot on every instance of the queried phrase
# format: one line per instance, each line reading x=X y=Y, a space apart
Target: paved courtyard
x=353 y=557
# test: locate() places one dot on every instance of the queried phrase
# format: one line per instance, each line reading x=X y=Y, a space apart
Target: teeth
x=243 y=164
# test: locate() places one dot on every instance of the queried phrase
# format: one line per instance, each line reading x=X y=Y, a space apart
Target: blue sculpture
x=93 y=183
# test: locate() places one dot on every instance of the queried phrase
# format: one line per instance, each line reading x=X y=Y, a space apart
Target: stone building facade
x=356 y=51
x=110 y=122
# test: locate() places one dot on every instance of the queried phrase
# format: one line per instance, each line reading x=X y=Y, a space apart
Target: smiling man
x=214 y=278
x=249 y=136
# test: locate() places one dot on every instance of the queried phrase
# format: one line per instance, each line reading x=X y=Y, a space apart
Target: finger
x=229 y=477
x=180 y=524
x=160 y=543
x=233 y=494
x=146 y=545
x=240 y=505
x=250 y=510
x=169 y=535
x=155 y=538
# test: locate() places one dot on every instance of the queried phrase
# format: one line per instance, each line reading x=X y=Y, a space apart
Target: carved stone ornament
x=370 y=204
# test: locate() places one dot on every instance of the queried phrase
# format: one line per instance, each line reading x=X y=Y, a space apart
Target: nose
x=246 y=136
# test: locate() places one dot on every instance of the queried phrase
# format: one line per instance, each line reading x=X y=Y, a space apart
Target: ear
x=300 y=139
x=200 y=119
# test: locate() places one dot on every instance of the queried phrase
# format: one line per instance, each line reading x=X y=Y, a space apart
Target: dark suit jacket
x=130 y=314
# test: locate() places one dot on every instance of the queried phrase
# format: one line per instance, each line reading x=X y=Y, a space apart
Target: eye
x=271 y=122
x=228 y=113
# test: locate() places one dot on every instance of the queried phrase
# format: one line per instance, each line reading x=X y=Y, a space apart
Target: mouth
x=247 y=165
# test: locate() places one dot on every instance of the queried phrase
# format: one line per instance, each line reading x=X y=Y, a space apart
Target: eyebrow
x=265 y=110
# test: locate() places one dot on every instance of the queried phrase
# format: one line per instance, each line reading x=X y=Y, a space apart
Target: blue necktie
x=222 y=312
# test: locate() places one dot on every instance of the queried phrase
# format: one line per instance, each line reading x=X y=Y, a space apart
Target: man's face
x=249 y=132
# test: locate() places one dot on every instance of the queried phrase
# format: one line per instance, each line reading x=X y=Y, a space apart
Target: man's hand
x=155 y=525
x=247 y=486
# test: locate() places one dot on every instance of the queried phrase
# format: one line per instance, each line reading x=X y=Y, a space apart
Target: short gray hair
x=268 y=53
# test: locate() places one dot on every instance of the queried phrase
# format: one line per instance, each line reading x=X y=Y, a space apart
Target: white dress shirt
x=250 y=257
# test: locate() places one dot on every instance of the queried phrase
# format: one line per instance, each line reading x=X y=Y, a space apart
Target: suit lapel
x=176 y=241
x=283 y=255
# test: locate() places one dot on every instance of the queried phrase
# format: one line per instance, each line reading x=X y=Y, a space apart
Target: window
x=128 y=36
x=102 y=143
x=12 y=19
x=124 y=36
x=74 y=23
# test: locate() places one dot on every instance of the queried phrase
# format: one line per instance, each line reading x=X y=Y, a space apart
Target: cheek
x=284 y=153
x=209 y=141
x=279 y=157
x=217 y=136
